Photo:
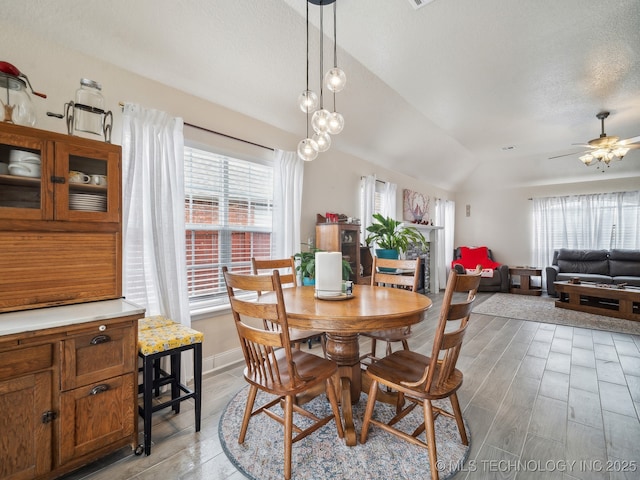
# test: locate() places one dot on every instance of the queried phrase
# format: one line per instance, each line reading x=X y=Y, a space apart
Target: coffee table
x=601 y=299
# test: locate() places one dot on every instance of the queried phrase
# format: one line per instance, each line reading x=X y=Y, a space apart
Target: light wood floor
x=542 y=401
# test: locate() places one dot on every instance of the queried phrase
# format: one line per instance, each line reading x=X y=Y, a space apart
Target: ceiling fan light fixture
x=600 y=153
x=587 y=159
x=620 y=152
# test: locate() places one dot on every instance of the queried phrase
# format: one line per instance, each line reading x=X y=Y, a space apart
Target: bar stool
x=158 y=337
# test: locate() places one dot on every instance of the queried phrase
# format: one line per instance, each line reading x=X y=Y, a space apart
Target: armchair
x=470 y=257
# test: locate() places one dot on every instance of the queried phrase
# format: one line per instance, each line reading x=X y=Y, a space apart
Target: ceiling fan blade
x=629 y=141
x=585 y=145
x=566 y=155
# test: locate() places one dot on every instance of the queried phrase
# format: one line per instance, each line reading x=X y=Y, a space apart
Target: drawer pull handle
x=98 y=339
x=99 y=389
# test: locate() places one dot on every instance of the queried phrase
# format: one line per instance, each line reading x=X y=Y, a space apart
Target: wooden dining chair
x=422 y=379
x=397 y=274
x=274 y=367
x=287 y=270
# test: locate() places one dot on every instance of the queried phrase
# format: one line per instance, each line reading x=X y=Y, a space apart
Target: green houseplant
x=306 y=265
x=389 y=234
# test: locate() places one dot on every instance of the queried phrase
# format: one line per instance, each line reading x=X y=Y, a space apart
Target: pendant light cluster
x=324 y=122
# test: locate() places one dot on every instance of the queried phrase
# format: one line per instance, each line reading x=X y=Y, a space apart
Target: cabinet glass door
x=89 y=185
x=23 y=166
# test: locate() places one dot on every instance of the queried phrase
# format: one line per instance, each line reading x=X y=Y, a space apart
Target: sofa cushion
x=624 y=263
x=583 y=261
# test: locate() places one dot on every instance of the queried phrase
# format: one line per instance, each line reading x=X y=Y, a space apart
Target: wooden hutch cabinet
x=68 y=341
x=60 y=242
x=341 y=237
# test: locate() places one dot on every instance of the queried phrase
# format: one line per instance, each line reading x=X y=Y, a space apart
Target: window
x=228 y=209
x=599 y=221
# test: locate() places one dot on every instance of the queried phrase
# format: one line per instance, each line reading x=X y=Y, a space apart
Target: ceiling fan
x=604 y=149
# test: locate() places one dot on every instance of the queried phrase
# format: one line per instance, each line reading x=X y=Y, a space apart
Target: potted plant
x=306 y=265
x=391 y=237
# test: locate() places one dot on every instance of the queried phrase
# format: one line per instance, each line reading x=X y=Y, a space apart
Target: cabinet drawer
x=96 y=415
x=25 y=360
x=95 y=355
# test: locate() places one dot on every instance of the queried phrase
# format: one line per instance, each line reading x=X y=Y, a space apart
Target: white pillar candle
x=328 y=273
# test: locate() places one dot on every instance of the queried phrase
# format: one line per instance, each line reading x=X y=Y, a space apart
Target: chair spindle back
x=260 y=345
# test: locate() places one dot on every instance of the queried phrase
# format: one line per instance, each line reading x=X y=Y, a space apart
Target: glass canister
x=15 y=104
x=89 y=107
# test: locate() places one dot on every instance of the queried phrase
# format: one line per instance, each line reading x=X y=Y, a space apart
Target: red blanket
x=471 y=257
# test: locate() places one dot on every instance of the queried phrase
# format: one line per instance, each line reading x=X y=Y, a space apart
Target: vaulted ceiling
x=456 y=93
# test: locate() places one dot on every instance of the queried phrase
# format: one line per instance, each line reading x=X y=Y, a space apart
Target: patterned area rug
x=543 y=309
x=322 y=455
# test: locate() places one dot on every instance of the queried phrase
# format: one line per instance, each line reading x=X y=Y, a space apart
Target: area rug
x=322 y=455
x=543 y=309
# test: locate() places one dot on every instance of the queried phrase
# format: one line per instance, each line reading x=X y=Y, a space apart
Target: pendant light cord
x=335 y=45
x=335 y=48
x=307 y=91
x=321 y=54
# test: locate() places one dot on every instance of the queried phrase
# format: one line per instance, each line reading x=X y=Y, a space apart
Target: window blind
x=228 y=208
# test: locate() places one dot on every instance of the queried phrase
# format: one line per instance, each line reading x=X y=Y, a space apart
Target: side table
x=525 y=287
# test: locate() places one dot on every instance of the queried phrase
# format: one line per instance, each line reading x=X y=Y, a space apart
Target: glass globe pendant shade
x=335 y=79
x=320 y=120
x=336 y=123
x=308 y=149
x=308 y=101
x=323 y=140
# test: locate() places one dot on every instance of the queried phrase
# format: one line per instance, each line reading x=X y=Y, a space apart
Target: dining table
x=343 y=318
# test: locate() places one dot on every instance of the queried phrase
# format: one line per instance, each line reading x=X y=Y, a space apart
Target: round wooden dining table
x=370 y=308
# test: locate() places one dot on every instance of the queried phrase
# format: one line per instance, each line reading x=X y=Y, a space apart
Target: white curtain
x=594 y=221
x=153 y=213
x=287 y=203
x=445 y=216
x=389 y=201
x=368 y=203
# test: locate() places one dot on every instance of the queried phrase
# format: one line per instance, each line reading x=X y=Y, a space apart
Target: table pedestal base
x=345 y=351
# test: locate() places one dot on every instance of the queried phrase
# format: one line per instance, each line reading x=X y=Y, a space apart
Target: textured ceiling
x=436 y=93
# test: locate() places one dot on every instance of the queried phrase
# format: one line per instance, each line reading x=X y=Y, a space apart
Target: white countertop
x=64 y=315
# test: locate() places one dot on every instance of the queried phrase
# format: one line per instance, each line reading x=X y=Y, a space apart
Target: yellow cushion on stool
x=168 y=337
x=154 y=322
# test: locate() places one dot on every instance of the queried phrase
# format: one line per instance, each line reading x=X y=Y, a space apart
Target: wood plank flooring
x=542 y=401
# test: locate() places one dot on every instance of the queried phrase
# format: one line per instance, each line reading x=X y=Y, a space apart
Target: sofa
x=469 y=257
x=601 y=266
